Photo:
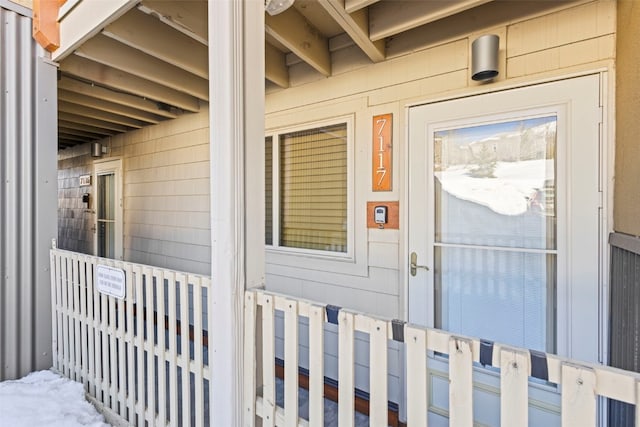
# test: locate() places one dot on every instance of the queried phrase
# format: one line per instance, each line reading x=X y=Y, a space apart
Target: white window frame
x=315 y=253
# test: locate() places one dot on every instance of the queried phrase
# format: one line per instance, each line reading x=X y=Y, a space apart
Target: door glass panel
x=106 y=202
x=106 y=215
x=495 y=231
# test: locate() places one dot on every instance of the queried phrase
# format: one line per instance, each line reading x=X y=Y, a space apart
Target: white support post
x=236 y=91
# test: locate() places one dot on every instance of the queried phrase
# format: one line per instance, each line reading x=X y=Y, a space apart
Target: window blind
x=313 y=189
x=268 y=190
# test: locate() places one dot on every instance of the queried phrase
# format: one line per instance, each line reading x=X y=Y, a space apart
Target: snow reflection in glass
x=495 y=231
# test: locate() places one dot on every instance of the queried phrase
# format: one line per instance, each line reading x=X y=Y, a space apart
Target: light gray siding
x=28 y=142
x=165 y=194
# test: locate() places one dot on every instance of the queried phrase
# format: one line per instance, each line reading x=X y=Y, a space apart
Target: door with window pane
x=504 y=212
x=108 y=209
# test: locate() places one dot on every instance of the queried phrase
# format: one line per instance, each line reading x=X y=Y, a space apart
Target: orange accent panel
x=382 y=165
x=46 y=30
x=393 y=215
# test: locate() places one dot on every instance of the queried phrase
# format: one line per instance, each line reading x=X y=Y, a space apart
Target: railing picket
x=130 y=339
x=91 y=319
x=291 y=362
x=173 y=349
x=578 y=396
x=113 y=354
x=461 y=383
x=160 y=349
x=268 y=362
x=514 y=388
x=84 y=320
x=378 y=371
x=104 y=355
x=56 y=312
x=184 y=349
x=249 y=388
x=99 y=312
x=75 y=289
x=121 y=385
x=198 y=358
x=637 y=390
x=316 y=366
x=416 y=348
x=140 y=343
x=66 y=357
x=150 y=346
x=346 y=397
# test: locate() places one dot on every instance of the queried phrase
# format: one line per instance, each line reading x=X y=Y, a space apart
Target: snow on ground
x=45 y=398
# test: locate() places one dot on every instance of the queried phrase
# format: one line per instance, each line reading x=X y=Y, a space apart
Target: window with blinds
x=312 y=177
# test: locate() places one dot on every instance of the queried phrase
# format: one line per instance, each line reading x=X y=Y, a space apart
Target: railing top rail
x=611 y=382
x=204 y=280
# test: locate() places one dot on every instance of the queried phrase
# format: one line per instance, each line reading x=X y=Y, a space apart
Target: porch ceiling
x=151 y=65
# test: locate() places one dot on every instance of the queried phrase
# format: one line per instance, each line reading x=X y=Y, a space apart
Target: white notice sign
x=110 y=281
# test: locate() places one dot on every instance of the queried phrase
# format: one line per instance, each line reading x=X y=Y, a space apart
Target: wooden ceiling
x=151 y=65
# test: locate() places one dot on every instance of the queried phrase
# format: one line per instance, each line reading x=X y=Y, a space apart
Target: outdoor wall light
x=274 y=7
x=484 y=57
x=96 y=149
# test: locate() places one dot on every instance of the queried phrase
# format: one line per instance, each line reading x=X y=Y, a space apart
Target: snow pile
x=45 y=398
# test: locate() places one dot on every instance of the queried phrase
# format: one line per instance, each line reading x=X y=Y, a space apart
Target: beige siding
x=165 y=189
x=545 y=45
x=627 y=196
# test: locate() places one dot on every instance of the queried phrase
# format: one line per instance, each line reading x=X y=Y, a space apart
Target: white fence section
x=145 y=356
x=581 y=384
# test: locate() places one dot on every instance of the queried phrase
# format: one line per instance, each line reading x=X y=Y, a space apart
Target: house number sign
x=382 y=146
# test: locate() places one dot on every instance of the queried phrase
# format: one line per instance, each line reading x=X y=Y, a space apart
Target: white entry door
x=504 y=224
x=108 y=208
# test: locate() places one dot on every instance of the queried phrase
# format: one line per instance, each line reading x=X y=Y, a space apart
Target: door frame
x=605 y=176
x=104 y=167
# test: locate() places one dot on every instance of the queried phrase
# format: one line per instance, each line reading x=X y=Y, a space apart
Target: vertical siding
x=625 y=317
x=27 y=196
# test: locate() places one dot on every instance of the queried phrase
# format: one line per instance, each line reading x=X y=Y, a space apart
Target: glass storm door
x=108 y=210
x=504 y=211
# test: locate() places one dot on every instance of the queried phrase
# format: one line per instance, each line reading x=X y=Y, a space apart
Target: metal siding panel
x=28 y=194
x=624 y=336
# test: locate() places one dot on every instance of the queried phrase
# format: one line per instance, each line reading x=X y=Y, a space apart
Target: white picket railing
x=121 y=349
x=581 y=383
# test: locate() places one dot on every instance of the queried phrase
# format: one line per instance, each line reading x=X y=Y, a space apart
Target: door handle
x=413 y=264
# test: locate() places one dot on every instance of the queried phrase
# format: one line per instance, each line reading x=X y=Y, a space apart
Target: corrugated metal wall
x=28 y=193
x=624 y=335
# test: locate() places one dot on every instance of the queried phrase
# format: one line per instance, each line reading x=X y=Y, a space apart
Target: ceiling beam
x=80 y=110
x=148 y=34
x=126 y=82
x=69 y=117
x=292 y=30
x=71 y=137
x=188 y=16
x=353 y=5
x=64 y=143
x=87 y=128
x=71 y=131
x=389 y=18
x=109 y=52
x=356 y=25
x=107 y=106
x=276 y=70
x=98 y=92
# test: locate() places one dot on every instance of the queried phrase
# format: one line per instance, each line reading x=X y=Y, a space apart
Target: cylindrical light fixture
x=96 y=149
x=484 y=57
